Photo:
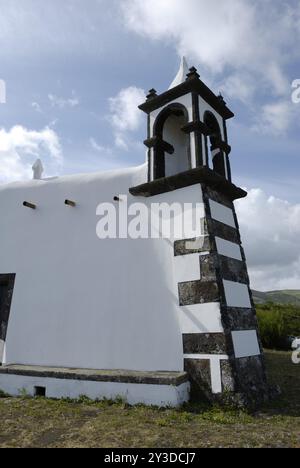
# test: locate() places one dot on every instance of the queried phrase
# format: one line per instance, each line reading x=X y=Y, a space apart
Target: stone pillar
x=222 y=350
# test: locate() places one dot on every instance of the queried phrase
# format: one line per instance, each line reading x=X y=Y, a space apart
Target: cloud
x=240 y=85
x=36 y=106
x=125 y=116
x=271 y=230
x=221 y=34
x=62 y=103
x=19 y=147
x=125 y=119
x=104 y=150
x=243 y=46
x=276 y=118
x=2 y=92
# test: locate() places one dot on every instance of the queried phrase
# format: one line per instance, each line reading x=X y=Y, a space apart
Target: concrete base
x=164 y=389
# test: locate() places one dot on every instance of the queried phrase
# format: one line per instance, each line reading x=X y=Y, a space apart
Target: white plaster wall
x=201 y=318
x=187 y=268
x=172 y=134
x=237 y=295
x=215 y=369
x=228 y=249
x=2 y=345
x=204 y=107
x=80 y=301
x=151 y=163
x=193 y=150
x=222 y=213
x=133 y=394
x=245 y=343
x=185 y=100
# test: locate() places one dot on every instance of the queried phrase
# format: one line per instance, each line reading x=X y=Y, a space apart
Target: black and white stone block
x=218 y=319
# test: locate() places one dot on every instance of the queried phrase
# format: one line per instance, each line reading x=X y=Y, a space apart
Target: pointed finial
x=38 y=170
x=221 y=99
x=193 y=73
x=152 y=94
x=181 y=75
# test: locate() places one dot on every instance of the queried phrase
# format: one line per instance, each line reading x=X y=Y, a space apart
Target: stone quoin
x=144 y=319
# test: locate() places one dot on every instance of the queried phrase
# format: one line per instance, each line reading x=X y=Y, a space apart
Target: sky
x=75 y=72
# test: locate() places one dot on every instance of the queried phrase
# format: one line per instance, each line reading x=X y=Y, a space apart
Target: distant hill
x=278 y=297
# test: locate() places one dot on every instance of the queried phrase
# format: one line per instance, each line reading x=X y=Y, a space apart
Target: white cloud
x=104 y=150
x=62 y=103
x=96 y=145
x=194 y=26
x=125 y=119
x=122 y=141
x=223 y=33
x=2 y=92
x=19 y=147
x=276 y=118
x=36 y=106
x=125 y=116
x=239 y=84
x=243 y=45
x=271 y=230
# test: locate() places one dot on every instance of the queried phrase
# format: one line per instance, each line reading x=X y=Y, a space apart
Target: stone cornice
x=201 y=175
x=189 y=86
x=160 y=144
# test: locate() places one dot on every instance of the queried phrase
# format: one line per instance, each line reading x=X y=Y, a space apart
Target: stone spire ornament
x=222 y=100
x=181 y=75
x=38 y=170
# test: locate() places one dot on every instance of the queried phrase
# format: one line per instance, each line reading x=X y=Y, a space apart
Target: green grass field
x=49 y=423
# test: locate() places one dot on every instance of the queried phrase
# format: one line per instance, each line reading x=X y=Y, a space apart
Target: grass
x=37 y=423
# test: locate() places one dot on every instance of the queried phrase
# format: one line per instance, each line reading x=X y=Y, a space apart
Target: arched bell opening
x=214 y=140
x=172 y=149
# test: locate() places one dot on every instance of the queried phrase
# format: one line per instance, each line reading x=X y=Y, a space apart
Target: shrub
x=277 y=323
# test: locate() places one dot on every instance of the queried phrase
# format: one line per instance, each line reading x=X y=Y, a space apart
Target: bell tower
x=187 y=119
x=188 y=146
